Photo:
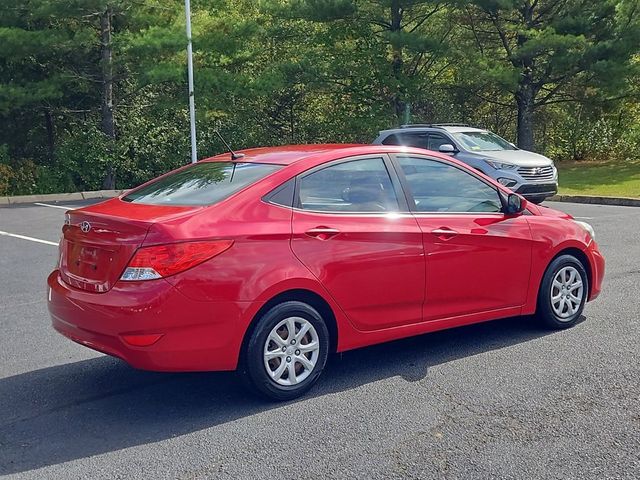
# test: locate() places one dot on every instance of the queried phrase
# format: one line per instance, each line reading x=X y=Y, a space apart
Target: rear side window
x=352 y=186
x=201 y=184
x=415 y=139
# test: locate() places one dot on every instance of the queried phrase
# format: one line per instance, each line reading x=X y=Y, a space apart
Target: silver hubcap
x=566 y=292
x=291 y=351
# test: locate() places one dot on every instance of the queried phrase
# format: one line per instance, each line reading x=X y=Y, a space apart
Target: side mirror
x=513 y=204
x=448 y=149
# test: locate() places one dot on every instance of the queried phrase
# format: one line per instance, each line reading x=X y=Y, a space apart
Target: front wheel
x=287 y=351
x=563 y=292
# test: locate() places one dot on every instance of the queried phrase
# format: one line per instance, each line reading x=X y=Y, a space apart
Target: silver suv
x=532 y=175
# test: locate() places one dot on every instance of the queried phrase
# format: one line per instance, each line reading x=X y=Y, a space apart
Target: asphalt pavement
x=504 y=399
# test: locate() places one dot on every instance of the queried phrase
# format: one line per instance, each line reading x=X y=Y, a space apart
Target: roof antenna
x=234 y=155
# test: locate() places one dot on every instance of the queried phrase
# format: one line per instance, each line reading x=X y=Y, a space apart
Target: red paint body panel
x=484 y=266
x=373 y=267
x=384 y=276
x=197 y=335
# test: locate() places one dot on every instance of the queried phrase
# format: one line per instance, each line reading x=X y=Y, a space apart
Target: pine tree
x=550 y=51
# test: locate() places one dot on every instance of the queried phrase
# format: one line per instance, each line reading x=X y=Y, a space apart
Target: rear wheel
x=563 y=292
x=287 y=351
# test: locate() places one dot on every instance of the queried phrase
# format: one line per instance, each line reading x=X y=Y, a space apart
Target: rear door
x=477 y=258
x=352 y=230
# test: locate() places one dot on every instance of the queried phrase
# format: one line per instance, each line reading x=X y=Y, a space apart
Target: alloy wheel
x=567 y=292
x=291 y=351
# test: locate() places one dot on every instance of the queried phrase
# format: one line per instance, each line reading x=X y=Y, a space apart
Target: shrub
x=6 y=177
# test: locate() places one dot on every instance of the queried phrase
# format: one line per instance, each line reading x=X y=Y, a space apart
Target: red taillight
x=159 y=261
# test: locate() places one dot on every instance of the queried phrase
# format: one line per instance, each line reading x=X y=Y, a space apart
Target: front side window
x=352 y=186
x=436 y=141
x=203 y=183
x=440 y=187
x=483 y=141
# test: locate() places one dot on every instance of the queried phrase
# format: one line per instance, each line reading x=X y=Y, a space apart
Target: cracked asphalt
x=498 y=400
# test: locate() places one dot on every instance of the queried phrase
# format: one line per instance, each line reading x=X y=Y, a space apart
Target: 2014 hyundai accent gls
x=268 y=262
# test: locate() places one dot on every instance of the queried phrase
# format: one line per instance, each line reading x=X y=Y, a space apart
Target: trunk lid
x=99 y=241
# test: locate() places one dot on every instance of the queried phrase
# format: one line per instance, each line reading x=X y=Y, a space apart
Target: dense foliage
x=93 y=92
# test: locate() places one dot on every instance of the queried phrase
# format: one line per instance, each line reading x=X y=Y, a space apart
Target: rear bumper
x=195 y=336
x=597 y=263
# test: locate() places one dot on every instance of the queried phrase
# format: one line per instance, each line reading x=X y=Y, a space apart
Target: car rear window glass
x=283 y=195
x=201 y=184
x=351 y=186
x=418 y=140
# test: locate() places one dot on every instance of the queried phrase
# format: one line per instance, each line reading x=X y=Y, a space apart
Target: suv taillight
x=160 y=261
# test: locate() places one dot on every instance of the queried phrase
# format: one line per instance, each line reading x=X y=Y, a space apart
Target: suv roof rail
x=434 y=125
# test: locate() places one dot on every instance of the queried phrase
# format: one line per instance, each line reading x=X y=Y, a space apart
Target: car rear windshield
x=201 y=184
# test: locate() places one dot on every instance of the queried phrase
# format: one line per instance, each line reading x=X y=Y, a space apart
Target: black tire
x=546 y=312
x=253 y=368
x=536 y=200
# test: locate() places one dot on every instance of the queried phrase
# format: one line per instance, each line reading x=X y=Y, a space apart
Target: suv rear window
x=413 y=139
x=201 y=184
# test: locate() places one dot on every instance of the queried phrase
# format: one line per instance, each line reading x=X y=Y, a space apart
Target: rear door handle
x=322 y=233
x=444 y=232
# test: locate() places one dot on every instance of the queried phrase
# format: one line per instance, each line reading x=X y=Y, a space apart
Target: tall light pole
x=192 y=102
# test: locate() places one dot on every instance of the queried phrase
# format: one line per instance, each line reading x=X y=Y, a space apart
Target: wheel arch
x=301 y=295
x=579 y=255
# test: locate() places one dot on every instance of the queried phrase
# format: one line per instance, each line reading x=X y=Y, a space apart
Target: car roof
x=290 y=154
x=282 y=155
x=463 y=129
x=434 y=128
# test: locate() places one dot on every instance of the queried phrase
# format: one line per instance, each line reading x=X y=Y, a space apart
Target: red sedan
x=266 y=262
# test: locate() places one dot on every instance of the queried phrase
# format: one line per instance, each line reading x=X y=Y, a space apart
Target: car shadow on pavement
x=95 y=406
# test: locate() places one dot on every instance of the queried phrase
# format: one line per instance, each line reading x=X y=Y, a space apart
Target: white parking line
x=584 y=218
x=70 y=207
x=31 y=239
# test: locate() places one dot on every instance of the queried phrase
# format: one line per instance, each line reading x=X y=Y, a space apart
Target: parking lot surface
x=504 y=399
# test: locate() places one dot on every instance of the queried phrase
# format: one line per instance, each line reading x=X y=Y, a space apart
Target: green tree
x=545 y=52
x=389 y=51
x=71 y=62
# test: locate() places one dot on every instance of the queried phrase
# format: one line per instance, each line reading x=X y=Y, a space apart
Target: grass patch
x=620 y=179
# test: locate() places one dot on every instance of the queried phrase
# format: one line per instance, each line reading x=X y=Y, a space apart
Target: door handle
x=322 y=233
x=444 y=232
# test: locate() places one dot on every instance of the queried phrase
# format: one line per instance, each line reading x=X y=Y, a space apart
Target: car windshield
x=201 y=184
x=482 y=141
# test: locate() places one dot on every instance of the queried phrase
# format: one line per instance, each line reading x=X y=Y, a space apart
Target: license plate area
x=88 y=261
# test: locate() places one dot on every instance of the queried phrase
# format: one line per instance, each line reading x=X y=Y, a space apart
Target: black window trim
x=409 y=194
x=403 y=206
x=269 y=197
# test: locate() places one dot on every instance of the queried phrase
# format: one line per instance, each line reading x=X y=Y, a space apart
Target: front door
x=478 y=258
x=350 y=232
